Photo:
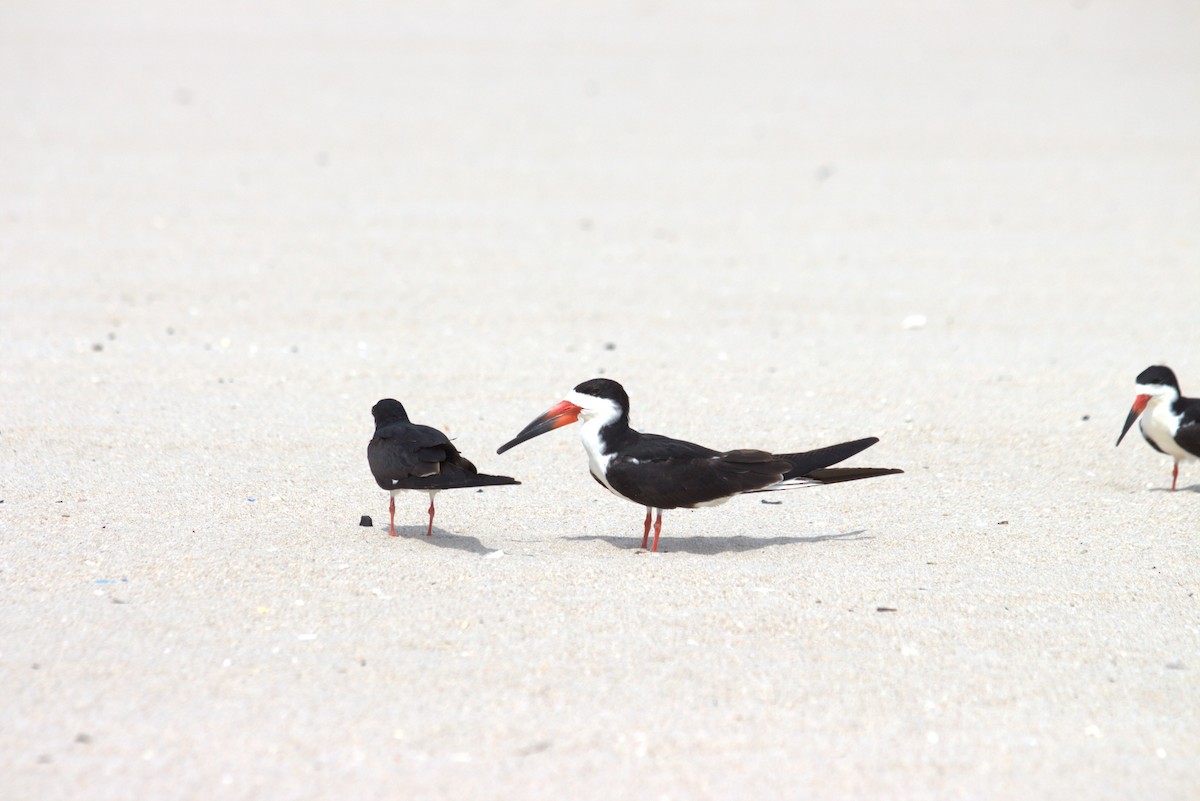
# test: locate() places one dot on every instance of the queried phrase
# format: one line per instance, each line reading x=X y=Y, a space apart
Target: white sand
x=225 y=234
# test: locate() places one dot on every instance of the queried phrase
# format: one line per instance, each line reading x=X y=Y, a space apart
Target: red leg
x=657 y=530
x=1174 y=476
x=429 y=531
x=392 y=515
x=646 y=530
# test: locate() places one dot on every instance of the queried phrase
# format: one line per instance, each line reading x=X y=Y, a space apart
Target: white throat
x=595 y=413
x=1159 y=424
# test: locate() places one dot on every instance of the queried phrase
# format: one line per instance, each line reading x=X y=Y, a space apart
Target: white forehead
x=593 y=406
x=1149 y=389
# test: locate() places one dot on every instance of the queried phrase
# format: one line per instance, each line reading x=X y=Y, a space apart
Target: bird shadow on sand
x=1193 y=488
x=715 y=545
x=441 y=539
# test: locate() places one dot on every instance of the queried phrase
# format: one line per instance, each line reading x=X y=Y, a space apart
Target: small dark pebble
x=1002 y=523
x=771 y=503
x=1087 y=417
x=83 y=737
x=610 y=345
x=97 y=347
x=885 y=609
x=365 y=520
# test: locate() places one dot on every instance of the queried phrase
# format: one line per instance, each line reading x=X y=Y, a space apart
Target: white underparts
x=396 y=492
x=594 y=414
x=598 y=460
x=715 y=502
x=799 y=482
x=1159 y=425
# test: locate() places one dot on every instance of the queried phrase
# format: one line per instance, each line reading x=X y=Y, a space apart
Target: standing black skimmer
x=663 y=473
x=408 y=456
x=1171 y=422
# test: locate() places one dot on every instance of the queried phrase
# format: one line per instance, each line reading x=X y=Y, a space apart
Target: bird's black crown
x=1158 y=375
x=388 y=411
x=607 y=389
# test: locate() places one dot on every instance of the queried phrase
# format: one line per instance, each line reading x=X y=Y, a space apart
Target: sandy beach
x=227 y=231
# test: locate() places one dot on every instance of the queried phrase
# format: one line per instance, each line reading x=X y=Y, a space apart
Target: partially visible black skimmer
x=663 y=473
x=1170 y=422
x=407 y=456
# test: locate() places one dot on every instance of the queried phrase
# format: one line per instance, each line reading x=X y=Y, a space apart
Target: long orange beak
x=1139 y=404
x=560 y=414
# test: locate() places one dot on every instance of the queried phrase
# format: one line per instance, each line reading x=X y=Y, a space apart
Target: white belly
x=1159 y=426
x=598 y=461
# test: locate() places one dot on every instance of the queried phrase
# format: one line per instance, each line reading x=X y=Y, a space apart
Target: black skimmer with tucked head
x=663 y=473
x=408 y=456
x=1170 y=422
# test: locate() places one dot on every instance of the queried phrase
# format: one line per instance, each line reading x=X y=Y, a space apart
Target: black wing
x=668 y=473
x=407 y=455
x=815 y=465
x=1188 y=435
x=803 y=464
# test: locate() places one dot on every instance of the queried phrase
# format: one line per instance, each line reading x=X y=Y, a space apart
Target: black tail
x=453 y=478
x=816 y=464
x=832 y=475
x=460 y=472
x=485 y=480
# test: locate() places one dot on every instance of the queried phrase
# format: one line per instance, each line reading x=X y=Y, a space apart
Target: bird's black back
x=406 y=455
x=667 y=473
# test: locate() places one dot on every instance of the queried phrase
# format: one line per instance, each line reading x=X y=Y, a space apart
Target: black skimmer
x=1170 y=422
x=663 y=473
x=408 y=456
